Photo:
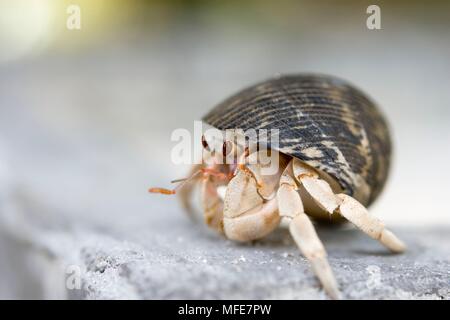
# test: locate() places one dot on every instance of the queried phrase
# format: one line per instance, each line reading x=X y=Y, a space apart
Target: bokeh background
x=86 y=115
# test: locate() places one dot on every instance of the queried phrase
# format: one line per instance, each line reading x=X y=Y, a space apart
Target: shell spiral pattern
x=323 y=121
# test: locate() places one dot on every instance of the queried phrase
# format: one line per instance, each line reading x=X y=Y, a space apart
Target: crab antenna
x=182 y=181
x=162 y=191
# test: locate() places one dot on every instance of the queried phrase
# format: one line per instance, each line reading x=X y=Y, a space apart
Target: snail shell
x=323 y=121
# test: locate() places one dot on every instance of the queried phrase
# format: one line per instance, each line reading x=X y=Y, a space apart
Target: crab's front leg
x=345 y=205
x=302 y=230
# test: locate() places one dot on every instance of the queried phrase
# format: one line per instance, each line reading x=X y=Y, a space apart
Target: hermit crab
x=331 y=162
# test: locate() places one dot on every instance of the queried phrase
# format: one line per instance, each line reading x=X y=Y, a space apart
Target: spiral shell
x=323 y=121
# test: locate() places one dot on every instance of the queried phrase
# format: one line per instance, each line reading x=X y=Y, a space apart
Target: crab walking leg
x=319 y=189
x=347 y=206
x=305 y=236
x=302 y=230
x=356 y=213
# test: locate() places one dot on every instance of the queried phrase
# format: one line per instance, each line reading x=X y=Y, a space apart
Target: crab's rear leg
x=302 y=230
x=356 y=213
x=345 y=205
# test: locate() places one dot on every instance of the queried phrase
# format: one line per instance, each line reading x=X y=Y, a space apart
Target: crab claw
x=246 y=215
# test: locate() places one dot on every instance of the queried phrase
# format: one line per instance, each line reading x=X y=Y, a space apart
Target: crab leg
x=302 y=230
x=319 y=189
x=347 y=206
x=356 y=213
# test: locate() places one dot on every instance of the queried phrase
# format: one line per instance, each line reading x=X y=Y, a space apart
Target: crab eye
x=205 y=143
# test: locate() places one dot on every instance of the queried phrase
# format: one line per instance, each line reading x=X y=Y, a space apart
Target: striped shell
x=323 y=121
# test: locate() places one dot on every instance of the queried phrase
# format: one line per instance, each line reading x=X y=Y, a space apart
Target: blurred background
x=86 y=114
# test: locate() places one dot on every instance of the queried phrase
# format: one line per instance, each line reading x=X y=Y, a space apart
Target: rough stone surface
x=174 y=258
